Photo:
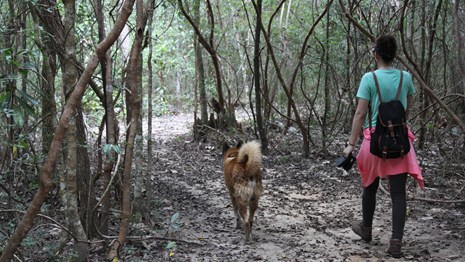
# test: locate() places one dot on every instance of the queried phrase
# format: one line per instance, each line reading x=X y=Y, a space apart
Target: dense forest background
x=81 y=81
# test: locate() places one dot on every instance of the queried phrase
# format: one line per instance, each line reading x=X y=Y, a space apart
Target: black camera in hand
x=345 y=163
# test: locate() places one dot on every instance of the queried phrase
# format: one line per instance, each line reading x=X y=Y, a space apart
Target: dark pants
x=399 y=203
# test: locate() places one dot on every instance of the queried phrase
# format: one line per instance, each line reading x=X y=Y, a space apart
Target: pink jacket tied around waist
x=371 y=166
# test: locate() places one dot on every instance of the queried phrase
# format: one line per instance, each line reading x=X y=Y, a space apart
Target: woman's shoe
x=361 y=230
x=394 y=248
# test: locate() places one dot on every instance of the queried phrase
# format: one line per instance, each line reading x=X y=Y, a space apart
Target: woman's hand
x=349 y=149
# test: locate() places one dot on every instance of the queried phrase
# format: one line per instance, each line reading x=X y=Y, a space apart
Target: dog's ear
x=239 y=143
x=225 y=147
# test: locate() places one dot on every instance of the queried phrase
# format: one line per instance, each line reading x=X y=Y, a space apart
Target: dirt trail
x=304 y=213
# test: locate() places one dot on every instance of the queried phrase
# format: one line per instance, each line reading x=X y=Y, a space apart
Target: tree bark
x=459 y=35
x=132 y=81
x=68 y=187
x=149 y=190
x=110 y=122
x=258 y=95
x=47 y=84
x=45 y=184
x=138 y=206
x=85 y=186
x=327 y=94
x=200 y=72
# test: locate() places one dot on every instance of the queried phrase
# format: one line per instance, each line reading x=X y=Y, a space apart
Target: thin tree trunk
x=110 y=122
x=45 y=184
x=459 y=35
x=24 y=58
x=47 y=85
x=284 y=62
x=200 y=72
x=258 y=95
x=11 y=30
x=69 y=190
x=111 y=139
x=149 y=190
x=85 y=188
x=423 y=101
x=132 y=83
x=139 y=210
x=327 y=95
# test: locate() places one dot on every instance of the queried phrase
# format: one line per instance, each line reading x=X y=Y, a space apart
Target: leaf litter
x=304 y=213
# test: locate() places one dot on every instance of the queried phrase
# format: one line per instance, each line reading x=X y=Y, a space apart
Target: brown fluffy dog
x=243 y=178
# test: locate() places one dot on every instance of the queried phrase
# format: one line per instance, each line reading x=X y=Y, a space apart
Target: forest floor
x=304 y=213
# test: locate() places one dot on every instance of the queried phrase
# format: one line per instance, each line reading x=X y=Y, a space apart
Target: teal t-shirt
x=388 y=80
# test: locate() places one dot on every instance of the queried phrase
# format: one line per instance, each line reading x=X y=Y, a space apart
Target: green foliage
x=108 y=148
x=174 y=224
x=28 y=242
x=160 y=102
x=34 y=184
x=283 y=159
x=170 y=245
x=15 y=103
x=52 y=256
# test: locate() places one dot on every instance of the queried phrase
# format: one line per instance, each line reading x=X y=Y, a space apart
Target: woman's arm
x=357 y=125
x=410 y=103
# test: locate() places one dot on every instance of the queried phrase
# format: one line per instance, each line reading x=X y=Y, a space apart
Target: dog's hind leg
x=253 y=205
x=238 y=219
x=245 y=212
x=236 y=211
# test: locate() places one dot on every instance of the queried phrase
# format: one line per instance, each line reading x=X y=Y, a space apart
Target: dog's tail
x=250 y=154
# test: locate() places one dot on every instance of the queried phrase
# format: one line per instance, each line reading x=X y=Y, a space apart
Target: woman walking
x=372 y=167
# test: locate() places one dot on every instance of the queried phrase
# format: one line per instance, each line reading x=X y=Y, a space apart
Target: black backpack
x=390 y=138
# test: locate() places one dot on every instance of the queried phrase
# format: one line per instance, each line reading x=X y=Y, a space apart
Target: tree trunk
x=459 y=18
x=85 y=189
x=258 y=95
x=327 y=94
x=132 y=83
x=149 y=190
x=110 y=122
x=139 y=172
x=11 y=28
x=200 y=72
x=47 y=84
x=69 y=189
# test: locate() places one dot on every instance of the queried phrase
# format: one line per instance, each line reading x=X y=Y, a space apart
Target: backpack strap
x=377 y=86
x=370 y=114
x=400 y=85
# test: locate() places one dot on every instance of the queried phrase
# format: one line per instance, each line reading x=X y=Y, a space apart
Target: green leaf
x=109 y=147
x=27 y=97
x=23 y=105
x=26 y=67
x=171 y=245
x=23 y=144
x=175 y=217
x=4 y=99
x=18 y=117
